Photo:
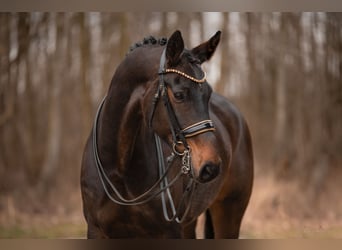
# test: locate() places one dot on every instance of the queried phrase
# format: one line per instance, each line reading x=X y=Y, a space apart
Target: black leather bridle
x=179 y=136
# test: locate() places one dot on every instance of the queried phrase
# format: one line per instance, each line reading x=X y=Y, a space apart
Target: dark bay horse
x=164 y=149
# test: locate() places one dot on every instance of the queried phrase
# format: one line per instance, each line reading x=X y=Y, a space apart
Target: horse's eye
x=180 y=96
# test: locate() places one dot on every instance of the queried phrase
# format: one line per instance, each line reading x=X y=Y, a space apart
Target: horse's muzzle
x=206 y=160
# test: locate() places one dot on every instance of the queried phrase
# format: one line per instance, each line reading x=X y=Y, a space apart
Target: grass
x=65 y=230
x=294 y=233
x=72 y=230
x=277 y=210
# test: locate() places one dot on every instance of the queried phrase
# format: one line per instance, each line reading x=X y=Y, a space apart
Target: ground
x=278 y=209
x=284 y=209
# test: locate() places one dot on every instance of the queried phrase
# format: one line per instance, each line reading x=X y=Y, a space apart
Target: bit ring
x=178 y=143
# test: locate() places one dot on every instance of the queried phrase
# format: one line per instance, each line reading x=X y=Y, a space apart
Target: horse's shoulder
x=229 y=116
x=225 y=109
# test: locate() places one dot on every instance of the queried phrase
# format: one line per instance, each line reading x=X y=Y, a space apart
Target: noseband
x=179 y=136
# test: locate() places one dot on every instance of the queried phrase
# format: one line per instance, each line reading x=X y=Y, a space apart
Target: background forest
x=283 y=71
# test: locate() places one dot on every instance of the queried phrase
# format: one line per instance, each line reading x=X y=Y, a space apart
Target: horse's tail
x=208 y=226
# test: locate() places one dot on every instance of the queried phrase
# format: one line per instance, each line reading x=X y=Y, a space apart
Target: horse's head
x=186 y=122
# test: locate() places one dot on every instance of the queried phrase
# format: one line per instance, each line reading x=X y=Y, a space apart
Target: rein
x=119 y=199
x=179 y=136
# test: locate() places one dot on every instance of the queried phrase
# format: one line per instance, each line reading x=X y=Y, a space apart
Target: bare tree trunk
x=184 y=21
x=55 y=70
x=30 y=130
x=109 y=50
x=27 y=112
x=164 y=30
x=6 y=109
x=86 y=102
x=225 y=57
x=11 y=129
x=256 y=93
x=124 y=36
x=6 y=97
x=286 y=154
x=199 y=17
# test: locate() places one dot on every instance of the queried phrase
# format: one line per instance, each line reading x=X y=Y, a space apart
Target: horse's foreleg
x=226 y=217
x=189 y=230
x=95 y=233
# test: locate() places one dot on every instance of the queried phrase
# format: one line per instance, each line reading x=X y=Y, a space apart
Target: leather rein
x=179 y=136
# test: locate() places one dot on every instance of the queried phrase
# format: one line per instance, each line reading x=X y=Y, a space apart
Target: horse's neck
x=121 y=121
x=122 y=117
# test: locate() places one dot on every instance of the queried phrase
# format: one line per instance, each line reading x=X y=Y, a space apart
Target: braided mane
x=150 y=40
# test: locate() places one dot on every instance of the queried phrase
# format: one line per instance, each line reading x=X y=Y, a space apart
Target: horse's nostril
x=208 y=172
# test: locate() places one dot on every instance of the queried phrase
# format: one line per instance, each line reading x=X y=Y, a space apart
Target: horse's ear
x=174 y=48
x=204 y=51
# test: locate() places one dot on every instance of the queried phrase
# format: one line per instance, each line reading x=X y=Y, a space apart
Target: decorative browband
x=186 y=75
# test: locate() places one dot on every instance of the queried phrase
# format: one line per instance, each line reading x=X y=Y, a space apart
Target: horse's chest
x=135 y=222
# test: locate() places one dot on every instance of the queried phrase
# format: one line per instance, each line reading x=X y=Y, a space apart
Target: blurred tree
x=84 y=40
x=226 y=59
x=6 y=94
x=54 y=120
x=283 y=70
